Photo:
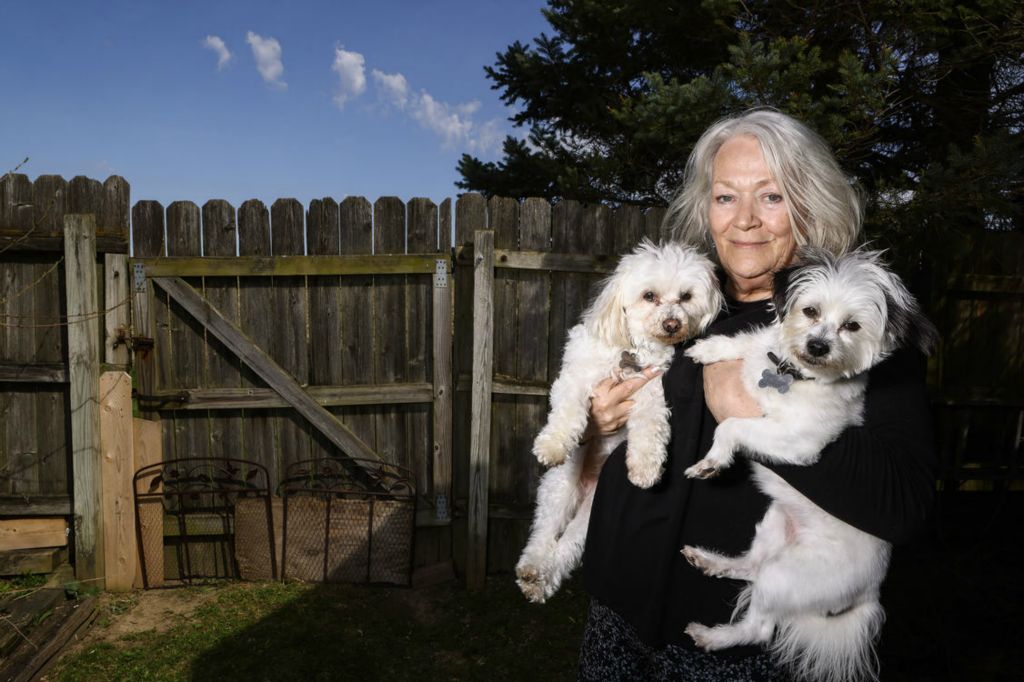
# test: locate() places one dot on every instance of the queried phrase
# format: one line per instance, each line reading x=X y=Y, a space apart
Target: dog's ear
x=715 y=299
x=906 y=324
x=780 y=290
x=606 y=317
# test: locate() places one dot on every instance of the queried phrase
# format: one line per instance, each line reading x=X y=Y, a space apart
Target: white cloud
x=217 y=45
x=351 y=70
x=267 y=52
x=393 y=86
x=455 y=125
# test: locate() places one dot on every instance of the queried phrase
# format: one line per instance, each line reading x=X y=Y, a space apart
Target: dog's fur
x=656 y=297
x=813 y=592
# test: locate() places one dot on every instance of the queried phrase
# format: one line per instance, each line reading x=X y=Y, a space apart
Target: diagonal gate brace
x=268 y=370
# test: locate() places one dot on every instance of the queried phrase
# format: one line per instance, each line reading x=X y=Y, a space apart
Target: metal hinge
x=441 y=273
x=441 y=511
x=139 y=273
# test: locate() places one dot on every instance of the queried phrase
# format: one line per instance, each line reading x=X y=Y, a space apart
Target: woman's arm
x=612 y=401
x=880 y=476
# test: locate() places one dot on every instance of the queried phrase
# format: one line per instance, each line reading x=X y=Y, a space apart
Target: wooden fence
x=426 y=335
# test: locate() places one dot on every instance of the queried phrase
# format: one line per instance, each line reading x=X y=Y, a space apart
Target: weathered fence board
x=223 y=368
x=288 y=344
x=255 y=295
x=184 y=338
x=390 y=353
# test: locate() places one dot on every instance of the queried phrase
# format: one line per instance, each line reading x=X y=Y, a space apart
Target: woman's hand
x=725 y=394
x=611 y=402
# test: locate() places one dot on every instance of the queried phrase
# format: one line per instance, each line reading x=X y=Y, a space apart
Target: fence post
x=480 y=430
x=442 y=303
x=84 y=378
x=116 y=303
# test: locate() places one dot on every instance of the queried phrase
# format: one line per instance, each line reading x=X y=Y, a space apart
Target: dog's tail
x=835 y=648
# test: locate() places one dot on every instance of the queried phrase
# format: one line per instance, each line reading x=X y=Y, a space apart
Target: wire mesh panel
x=347 y=522
x=201 y=517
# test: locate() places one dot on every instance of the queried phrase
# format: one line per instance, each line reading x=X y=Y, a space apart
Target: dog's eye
x=685 y=296
x=811 y=312
x=851 y=326
x=649 y=296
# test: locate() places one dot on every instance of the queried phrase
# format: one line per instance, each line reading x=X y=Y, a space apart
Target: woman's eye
x=811 y=312
x=723 y=199
x=685 y=296
x=851 y=326
x=773 y=198
x=649 y=296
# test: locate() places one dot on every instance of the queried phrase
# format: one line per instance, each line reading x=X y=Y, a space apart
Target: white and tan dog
x=657 y=296
x=813 y=592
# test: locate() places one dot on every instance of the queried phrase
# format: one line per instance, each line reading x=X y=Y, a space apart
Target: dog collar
x=783 y=376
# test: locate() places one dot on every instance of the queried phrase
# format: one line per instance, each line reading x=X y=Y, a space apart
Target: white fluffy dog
x=657 y=297
x=813 y=580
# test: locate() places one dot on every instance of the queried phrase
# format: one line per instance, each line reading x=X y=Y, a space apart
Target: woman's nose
x=746 y=217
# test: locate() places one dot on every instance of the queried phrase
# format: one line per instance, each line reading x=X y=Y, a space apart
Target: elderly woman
x=756 y=187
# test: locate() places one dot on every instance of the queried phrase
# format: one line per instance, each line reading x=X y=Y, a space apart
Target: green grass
x=21 y=583
x=274 y=631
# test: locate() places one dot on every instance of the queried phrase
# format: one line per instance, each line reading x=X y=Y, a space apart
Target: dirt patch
x=145 y=611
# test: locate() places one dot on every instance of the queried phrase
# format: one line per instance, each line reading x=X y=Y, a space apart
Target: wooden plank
x=289 y=346
x=419 y=350
x=35 y=505
x=43 y=659
x=21 y=241
x=257 y=359
x=503 y=220
x=323 y=238
x=49 y=195
x=223 y=369
x=146 y=450
x=480 y=437
x=51 y=425
x=117 y=303
x=32 y=533
x=655 y=228
x=356 y=298
x=185 y=337
x=260 y=398
x=259 y=438
x=84 y=371
x=537 y=260
x=532 y=379
x=112 y=221
x=85 y=195
x=120 y=552
x=390 y=326
x=34 y=373
x=22 y=561
x=628 y=226
x=442 y=378
x=295 y=265
x=148 y=305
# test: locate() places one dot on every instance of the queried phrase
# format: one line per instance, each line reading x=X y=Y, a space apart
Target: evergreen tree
x=922 y=101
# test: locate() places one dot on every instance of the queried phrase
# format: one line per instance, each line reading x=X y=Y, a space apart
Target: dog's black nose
x=817 y=348
x=671 y=325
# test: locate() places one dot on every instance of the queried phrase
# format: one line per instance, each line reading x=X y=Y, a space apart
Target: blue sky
x=314 y=99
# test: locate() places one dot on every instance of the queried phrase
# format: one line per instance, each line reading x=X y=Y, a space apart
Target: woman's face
x=749 y=220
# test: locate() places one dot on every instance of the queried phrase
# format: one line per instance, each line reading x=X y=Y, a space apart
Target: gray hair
x=825 y=208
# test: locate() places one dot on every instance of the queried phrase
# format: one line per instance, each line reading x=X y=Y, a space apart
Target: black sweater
x=878 y=477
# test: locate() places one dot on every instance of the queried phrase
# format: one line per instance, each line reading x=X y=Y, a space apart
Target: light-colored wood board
x=116 y=442
x=117 y=303
x=146 y=450
x=32 y=533
x=83 y=364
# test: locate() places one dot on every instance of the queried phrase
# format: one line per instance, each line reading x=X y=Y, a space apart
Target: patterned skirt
x=611 y=650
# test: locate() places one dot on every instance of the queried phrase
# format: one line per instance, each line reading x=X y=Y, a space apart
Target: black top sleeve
x=879 y=477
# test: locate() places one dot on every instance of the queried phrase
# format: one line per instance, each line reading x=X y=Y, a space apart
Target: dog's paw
x=703 y=351
x=533 y=582
x=703 y=561
x=549 y=451
x=705 y=468
x=641 y=472
x=700 y=634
